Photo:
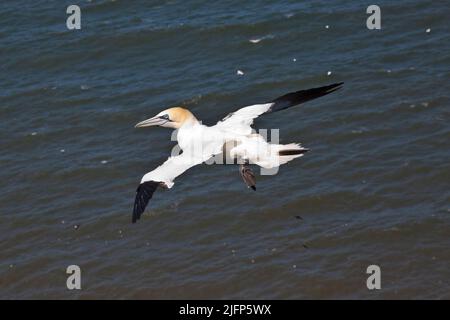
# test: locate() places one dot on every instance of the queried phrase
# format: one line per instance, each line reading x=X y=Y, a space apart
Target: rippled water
x=373 y=190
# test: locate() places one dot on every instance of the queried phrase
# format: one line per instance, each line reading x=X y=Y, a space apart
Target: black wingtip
x=144 y=193
x=302 y=96
x=292 y=152
x=253 y=188
x=335 y=86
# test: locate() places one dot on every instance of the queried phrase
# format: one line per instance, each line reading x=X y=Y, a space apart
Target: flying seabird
x=232 y=136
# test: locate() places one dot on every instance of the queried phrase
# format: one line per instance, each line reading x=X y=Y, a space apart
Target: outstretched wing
x=162 y=176
x=243 y=118
x=143 y=195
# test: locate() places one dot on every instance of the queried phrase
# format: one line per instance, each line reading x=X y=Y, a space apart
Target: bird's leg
x=247 y=175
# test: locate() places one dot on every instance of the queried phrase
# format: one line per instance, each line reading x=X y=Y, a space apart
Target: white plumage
x=199 y=142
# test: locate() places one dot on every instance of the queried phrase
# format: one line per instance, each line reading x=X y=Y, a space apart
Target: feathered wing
x=242 y=119
x=162 y=176
x=239 y=122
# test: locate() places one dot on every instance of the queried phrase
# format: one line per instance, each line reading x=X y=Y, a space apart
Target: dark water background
x=373 y=190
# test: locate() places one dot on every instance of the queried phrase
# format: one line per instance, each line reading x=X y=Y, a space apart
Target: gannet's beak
x=155 y=121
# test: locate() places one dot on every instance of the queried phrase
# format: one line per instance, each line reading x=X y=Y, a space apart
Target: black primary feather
x=143 y=195
x=292 y=152
x=294 y=98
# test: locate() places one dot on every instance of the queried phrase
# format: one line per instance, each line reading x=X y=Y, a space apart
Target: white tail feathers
x=280 y=154
x=288 y=152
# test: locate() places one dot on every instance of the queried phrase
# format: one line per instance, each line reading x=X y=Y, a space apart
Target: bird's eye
x=165 y=117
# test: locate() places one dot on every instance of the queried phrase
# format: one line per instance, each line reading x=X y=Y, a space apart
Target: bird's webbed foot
x=247 y=175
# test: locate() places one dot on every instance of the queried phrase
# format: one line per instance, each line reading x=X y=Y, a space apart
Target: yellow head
x=170 y=118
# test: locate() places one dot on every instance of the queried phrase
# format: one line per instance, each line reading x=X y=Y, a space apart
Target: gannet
x=232 y=136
